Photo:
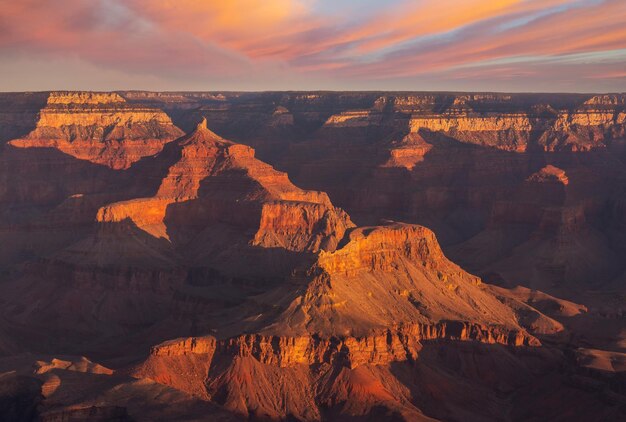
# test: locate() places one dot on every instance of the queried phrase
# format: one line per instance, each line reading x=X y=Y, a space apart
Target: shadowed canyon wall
x=312 y=256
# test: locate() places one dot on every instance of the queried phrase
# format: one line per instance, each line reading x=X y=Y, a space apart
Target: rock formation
x=225 y=183
x=146 y=274
x=101 y=128
x=387 y=276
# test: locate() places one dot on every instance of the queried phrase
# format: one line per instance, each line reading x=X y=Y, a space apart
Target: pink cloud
x=580 y=30
x=80 y=28
x=293 y=40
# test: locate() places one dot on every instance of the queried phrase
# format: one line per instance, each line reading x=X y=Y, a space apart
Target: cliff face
x=250 y=374
x=508 y=132
x=457 y=163
x=219 y=217
x=591 y=125
x=296 y=226
x=101 y=128
x=224 y=182
x=385 y=276
x=340 y=303
x=413 y=156
x=380 y=348
x=509 y=122
x=117 y=237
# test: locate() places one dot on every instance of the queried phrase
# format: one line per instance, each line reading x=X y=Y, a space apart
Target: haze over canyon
x=312 y=256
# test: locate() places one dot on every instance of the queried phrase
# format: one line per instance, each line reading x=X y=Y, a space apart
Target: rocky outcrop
x=380 y=249
x=380 y=348
x=508 y=132
x=278 y=305
x=223 y=181
x=230 y=371
x=370 y=305
x=301 y=226
x=380 y=277
x=408 y=152
x=100 y=127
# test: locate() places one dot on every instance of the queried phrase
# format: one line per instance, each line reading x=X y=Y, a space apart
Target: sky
x=259 y=45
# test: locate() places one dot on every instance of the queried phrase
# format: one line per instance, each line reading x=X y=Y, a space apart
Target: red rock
x=101 y=128
x=119 y=234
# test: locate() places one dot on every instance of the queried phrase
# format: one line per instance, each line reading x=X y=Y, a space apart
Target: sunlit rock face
x=101 y=128
x=296 y=255
x=373 y=304
x=224 y=181
x=510 y=122
x=392 y=275
x=587 y=126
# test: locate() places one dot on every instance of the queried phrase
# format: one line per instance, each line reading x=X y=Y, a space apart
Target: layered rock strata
x=100 y=127
x=223 y=181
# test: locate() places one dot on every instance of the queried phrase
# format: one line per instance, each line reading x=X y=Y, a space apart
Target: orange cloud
x=249 y=27
x=401 y=23
x=99 y=33
x=247 y=40
x=435 y=17
x=579 y=30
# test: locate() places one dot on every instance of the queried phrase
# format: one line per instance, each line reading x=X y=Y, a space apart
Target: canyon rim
x=312 y=211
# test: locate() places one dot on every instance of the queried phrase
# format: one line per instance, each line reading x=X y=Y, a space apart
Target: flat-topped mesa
x=408 y=152
x=223 y=182
x=380 y=248
x=100 y=127
x=95 y=98
x=381 y=277
x=354 y=118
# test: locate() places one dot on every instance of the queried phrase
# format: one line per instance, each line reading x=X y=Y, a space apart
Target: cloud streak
x=302 y=44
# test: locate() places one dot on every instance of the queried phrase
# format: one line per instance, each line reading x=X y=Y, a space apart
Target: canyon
x=312 y=256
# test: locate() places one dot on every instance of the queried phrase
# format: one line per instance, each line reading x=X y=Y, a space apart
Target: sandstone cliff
x=278 y=306
x=387 y=276
x=219 y=216
x=260 y=376
x=100 y=127
x=224 y=182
